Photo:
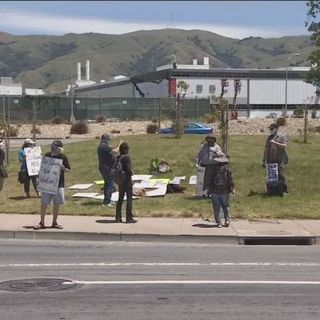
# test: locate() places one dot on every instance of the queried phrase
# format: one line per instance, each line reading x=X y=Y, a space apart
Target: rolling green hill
x=44 y=61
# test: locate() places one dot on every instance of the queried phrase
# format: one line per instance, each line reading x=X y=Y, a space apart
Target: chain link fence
x=25 y=109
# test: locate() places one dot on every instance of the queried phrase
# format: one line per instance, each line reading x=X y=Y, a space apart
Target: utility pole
x=34 y=119
x=72 y=117
x=5 y=128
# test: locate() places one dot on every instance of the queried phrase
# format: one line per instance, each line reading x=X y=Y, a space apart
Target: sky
x=235 y=19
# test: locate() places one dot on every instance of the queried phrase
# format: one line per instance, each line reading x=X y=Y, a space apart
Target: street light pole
x=286 y=83
x=72 y=117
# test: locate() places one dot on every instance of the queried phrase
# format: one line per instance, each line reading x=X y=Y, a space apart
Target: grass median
x=250 y=201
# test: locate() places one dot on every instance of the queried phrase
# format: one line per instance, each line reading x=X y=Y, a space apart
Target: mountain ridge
x=43 y=61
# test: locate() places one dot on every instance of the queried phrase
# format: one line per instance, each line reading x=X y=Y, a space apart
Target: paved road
x=161 y=281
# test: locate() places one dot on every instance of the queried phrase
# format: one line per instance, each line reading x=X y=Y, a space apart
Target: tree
x=179 y=123
x=313 y=25
x=223 y=107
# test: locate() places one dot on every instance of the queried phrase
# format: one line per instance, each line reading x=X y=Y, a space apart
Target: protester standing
x=28 y=143
x=267 y=148
x=59 y=198
x=106 y=157
x=205 y=158
x=277 y=151
x=3 y=172
x=220 y=186
x=125 y=186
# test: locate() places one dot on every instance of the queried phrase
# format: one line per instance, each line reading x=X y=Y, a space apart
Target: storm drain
x=38 y=284
x=297 y=241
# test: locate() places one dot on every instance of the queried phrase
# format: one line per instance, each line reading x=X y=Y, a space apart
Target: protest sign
x=272 y=172
x=49 y=175
x=33 y=159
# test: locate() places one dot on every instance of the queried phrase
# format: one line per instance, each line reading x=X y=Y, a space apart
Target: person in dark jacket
x=2 y=169
x=28 y=143
x=221 y=185
x=125 y=187
x=106 y=157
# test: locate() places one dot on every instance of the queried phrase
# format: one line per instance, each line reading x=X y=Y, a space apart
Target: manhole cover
x=37 y=284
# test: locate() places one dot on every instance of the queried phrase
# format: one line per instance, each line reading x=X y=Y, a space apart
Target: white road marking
x=142 y=282
x=160 y=264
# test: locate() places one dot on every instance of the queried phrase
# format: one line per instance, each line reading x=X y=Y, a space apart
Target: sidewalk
x=20 y=226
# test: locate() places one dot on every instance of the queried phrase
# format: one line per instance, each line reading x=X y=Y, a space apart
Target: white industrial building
x=257 y=88
x=11 y=89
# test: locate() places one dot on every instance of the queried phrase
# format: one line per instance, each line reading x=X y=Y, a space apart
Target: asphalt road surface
x=136 y=281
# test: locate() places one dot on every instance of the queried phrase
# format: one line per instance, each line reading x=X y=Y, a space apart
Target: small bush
x=211 y=117
x=14 y=131
x=80 y=127
x=298 y=112
x=152 y=128
x=37 y=130
x=100 y=119
x=57 y=120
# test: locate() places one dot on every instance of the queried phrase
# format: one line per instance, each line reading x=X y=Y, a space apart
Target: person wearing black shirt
x=106 y=157
x=57 y=199
x=2 y=169
x=125 y=188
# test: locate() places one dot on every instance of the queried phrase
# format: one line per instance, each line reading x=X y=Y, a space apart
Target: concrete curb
x=180 y=238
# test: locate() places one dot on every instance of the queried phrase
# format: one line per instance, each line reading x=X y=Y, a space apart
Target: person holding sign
x=3 y=172
x=51 y=182
x=24 y=176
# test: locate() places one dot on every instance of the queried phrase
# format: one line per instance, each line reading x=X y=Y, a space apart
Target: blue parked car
x=190 y=128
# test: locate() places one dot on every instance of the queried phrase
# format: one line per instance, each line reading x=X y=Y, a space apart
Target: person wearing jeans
x=221 y=184
x=125 y=187
x=106 y=157
x=28 y=143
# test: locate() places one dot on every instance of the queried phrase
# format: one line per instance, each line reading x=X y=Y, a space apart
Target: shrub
x=211 y=117
x=57 y=120
x=79 y=127
x=100 y=119
x=152 y=128
x=298 y=112
x=13 y=132
x=37 y=130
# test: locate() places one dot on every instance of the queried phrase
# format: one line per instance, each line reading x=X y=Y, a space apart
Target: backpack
x=117 y=171
x=220 y=179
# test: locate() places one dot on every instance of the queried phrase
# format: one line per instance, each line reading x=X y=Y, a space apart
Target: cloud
x=40 y=23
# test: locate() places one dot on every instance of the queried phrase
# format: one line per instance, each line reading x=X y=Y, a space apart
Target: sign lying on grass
x=49 y=175
x=82 y=186
x=33 y=159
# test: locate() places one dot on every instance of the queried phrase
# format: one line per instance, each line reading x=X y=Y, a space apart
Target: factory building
x=252 y=88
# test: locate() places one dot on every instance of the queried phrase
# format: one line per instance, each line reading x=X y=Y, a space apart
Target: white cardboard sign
x=82 y=186
x=49 y=175
x=272 y=172
x=33 y=159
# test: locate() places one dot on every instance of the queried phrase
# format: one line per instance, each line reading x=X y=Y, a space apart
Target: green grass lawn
x=250 y=201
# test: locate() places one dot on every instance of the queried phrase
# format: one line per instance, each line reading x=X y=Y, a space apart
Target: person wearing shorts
x=57 y=199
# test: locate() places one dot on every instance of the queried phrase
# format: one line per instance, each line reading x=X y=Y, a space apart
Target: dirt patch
x=241 y=126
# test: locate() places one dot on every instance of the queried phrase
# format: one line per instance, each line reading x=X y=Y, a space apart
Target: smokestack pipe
x=88 y=70
x=79 y=71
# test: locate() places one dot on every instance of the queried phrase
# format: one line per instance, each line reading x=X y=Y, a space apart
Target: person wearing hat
x=205 y=158
x=267 y=148
x=3 y=172
x=106 y=158
x=28 y=143
x=220 y=186
x=59 y=198
x=275 y=150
